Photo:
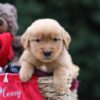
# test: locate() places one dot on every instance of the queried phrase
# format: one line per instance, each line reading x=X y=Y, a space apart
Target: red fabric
x=15 y=90
x=75 y=84
x=6 y=52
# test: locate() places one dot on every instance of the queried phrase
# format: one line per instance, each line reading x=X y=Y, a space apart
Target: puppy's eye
x=37 y=40
x=55 y=39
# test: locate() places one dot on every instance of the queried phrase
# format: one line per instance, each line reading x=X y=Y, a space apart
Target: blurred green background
x=81 y=18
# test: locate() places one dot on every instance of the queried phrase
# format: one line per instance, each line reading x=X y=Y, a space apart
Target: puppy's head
x=45 y=39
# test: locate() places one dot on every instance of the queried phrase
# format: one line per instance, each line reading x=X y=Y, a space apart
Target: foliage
x=81 y=18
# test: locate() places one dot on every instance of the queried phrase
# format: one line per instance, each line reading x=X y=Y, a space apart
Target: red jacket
x=6 y=51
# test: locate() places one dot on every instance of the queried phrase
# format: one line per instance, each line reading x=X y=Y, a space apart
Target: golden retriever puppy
x=45 y=43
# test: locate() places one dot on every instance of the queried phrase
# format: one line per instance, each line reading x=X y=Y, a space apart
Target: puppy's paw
x=25 y=76
x=62 y=86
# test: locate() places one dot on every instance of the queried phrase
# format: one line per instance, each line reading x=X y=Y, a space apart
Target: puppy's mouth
x=47 y=59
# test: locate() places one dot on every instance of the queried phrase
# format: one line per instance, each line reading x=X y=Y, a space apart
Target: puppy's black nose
x=47 y=54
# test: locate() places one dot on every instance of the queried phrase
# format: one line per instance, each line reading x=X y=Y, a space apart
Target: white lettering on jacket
x=5 y=93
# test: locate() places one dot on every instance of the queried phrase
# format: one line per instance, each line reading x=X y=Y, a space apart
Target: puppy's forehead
x=46 y=27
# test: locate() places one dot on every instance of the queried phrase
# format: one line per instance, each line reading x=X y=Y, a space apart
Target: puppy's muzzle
x=47 y=53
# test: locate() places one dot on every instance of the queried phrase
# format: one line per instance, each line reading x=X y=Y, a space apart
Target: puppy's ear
x=66 y=38
x=25 y=38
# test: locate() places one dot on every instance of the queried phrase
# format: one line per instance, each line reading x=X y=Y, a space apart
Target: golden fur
x=47 y=35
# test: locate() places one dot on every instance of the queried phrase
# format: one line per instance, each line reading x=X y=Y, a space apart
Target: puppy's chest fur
x=47 y=67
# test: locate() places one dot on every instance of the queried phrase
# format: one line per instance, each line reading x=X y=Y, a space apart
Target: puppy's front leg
x=62 y=80
x=26 y=71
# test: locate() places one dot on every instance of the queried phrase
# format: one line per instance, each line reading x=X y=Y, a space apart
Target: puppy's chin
x=46 y=60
